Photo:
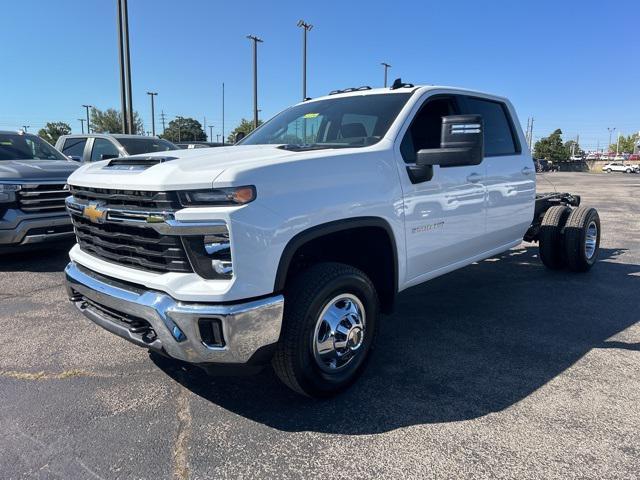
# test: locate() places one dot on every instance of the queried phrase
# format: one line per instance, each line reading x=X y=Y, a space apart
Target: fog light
x=211 y=332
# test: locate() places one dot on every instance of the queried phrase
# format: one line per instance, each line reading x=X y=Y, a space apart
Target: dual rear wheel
x=570 y=238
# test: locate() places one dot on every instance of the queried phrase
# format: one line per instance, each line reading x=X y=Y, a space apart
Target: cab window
x=426 y=128
x=103 y=149
x=74 y=147
x=499 y=138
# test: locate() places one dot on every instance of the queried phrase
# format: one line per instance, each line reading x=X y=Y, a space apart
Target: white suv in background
x=620 y=167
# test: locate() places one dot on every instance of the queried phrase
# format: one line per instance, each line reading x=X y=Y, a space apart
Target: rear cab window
x=499 y=132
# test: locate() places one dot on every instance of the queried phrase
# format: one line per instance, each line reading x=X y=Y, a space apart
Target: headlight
x=218 y=196
x=8 y=192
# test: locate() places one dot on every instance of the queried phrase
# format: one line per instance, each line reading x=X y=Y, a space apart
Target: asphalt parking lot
x=500 y=370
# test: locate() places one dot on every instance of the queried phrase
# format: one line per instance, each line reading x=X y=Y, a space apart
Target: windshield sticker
x=310 y=115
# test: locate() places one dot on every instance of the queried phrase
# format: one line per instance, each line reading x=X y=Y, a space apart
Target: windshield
x=15 y=146
x=135 y=146
x=342 y=122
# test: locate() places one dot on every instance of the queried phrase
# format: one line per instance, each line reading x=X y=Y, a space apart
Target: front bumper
x=18 y=228
x=120 y=308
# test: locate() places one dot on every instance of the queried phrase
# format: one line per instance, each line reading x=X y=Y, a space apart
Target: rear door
x=444 y=215
x=510 y=173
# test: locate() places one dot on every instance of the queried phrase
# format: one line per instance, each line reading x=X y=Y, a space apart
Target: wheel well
x=370 y=248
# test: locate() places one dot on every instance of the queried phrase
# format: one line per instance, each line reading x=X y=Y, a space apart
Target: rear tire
x=329 y=326
x=608 y=170
x=582 y=239
x=551 y=248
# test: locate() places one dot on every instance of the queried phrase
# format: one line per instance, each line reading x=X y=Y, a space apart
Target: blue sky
x=570 y=64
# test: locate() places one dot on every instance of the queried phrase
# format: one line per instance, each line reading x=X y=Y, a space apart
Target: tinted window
x=426 y=128
x=498 y=136
x=14 y=146
x=353 y=121
x=74 y=147
x=136 y=146
x=103 y=147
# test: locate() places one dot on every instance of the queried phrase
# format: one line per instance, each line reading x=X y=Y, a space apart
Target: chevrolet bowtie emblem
x=94 y=213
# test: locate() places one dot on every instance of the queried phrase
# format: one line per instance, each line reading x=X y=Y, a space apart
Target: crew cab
x=93 y=147
x=288 y=246
x=33 y=177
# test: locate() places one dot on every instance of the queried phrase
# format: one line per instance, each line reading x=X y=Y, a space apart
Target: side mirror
x=75 y=158
x=461 y=143
x=239 y=136
x=108 y=156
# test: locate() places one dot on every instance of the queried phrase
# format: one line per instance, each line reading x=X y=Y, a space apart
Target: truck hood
x=36 y=170
x=196 y=168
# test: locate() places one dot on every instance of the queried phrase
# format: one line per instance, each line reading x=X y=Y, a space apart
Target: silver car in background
x=93 y=147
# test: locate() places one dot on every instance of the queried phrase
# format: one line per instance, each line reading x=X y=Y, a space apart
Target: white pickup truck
x=287 y=246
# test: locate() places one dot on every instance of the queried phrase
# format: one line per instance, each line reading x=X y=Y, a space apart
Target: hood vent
x=136 y=163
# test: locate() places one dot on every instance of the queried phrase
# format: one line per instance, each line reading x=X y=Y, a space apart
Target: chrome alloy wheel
x=339 y=333
x=590 y=240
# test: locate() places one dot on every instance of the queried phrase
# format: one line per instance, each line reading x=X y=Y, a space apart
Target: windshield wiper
x=294 y=147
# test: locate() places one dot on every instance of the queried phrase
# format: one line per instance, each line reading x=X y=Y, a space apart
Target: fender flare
x=323 y=229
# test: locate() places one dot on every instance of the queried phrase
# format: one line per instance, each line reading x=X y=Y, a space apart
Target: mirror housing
x=461 y=143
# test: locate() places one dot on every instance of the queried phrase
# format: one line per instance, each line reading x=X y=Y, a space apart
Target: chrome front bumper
x=246 y=327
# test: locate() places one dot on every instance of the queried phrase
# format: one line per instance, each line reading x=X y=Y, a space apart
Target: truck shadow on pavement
x=461 y=346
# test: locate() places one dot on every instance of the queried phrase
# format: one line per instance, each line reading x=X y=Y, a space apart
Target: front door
x=444 y=215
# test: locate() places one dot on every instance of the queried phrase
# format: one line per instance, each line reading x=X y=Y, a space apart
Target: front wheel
x=330 y=321
x=608 y=170
x=628 y=170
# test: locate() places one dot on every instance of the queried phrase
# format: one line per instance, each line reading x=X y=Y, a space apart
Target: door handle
x=474 y=177
x=526 y=170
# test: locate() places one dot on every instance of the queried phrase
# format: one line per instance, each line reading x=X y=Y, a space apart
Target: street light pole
x=618 y=145
x=82 y=124
x=255 y=40
x=386 y=67
x=125 y=27
x=153 y=113
x=87 y=107
x=611 y=130
x=123 y=87
x=305 y=28
x=222 y=113
x=211 y=133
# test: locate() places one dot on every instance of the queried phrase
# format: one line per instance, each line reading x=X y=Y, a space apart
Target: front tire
x=330 y=322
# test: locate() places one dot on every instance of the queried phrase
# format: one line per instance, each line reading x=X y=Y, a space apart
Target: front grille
x=128 y=199
x=136 y=247
x=43 y=198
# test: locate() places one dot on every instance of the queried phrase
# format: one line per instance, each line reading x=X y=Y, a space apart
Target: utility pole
x=255 y=40
x=526 y=136
x=153 y=113
x=123 y=84
x=204 y=126
x=531 y=136
x=618 y=145
x=82 y=124
x=125 y=29
x=611 y=130
x=211 y=133
x=162 y=117
x=305 y=29
x=222 y=113
x=218 y=138
x=87 y=107
x=386 y=67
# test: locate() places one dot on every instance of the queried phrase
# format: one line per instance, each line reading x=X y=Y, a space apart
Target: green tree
x=627 y=144
x=245 y=126
x=184 y=129
x=110 y=121
x=551 y=147
x=54 y=130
